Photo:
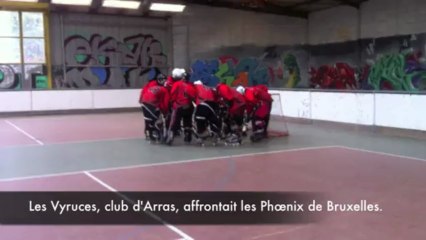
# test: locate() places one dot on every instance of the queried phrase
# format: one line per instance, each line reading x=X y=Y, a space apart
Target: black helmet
x=161 y=79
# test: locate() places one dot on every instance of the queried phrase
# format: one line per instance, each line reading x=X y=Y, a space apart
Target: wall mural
x=267 y=67
x=12 y=78
x=392 y=63
x=395 y=63
x=338 y=76
x=104 y=62
x=230 y=70
x=9 y=79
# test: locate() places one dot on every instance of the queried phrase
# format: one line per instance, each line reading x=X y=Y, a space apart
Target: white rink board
x=61 y=100
x=355 y=108
x=401 y=111
x=295 y=104
x=15 y=101
x=388 y=110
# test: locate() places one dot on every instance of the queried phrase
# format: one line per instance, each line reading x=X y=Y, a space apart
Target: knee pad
x=259 y=123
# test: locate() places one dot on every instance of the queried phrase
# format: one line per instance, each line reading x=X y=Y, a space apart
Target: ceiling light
x=73 y=2
x=121 y=4
x=22 y=0
x=167 y=7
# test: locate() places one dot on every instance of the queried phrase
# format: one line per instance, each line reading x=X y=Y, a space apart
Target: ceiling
x=295 y=8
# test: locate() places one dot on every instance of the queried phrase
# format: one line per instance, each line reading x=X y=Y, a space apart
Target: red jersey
x=258 y=96
x=169 y=83
x=224 y=91
x=157 y=96
x=182 y=94
x=204 y=94
x=231 y=95
x=146 y=87
x=257 y=93
x=262 y=87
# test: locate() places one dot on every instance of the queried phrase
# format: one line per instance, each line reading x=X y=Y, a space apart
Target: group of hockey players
x=173 y=106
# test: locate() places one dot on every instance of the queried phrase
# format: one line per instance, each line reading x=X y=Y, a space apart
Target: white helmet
x=184 y=74
x=198 y=82
x=178 y=73
x=241 y=89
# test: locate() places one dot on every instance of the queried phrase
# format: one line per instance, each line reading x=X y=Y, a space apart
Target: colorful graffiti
x=108 y=63
x=403 y=71
x=248 y=71
x=8 y=78
x=391 y=63
x=290 y=64
x=339 y=76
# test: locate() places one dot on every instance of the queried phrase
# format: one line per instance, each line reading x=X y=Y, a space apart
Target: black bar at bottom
x=129 y=208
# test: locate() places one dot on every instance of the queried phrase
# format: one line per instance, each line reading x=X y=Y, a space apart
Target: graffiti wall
x=396 y=63
x=392 y=63
x=106 y=62
x=333 y=66
x=274 y=66
x=10 y=76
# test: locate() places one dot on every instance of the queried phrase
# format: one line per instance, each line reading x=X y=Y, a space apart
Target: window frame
x=42 y=8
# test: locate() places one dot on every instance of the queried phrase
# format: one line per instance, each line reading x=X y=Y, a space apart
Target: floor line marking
x=382 y=153
x=154 y=216
x=24 y=132
x=165 y=163
x=98 y=140
x=74 y=142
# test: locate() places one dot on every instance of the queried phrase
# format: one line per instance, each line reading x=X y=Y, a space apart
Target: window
x=22 y=47
x=33 y=24
x=10 y=24
x=10 y=50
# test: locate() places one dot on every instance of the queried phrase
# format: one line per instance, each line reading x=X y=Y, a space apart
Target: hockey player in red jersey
x=206 y=113
x=169 y=83
x=234 y=118
x=154 y=100
x=182 y=96
x=259 y=103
